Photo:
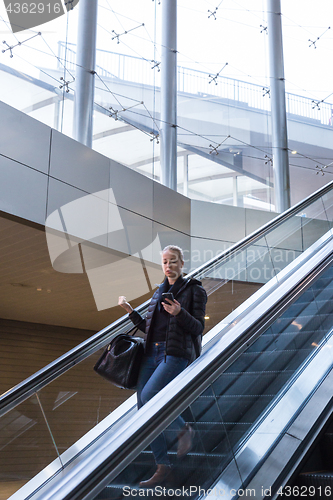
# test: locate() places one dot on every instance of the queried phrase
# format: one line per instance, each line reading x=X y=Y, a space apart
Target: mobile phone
x=167 y=295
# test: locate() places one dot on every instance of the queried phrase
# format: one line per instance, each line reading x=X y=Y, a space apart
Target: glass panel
x=232 y=268
x=315 y=224
x=231 y=282
x=224 y=414
x=315 y=210
x=328 y=205
x=79 y=400
x=260 y=268
x=287 y=236
x=26 y=446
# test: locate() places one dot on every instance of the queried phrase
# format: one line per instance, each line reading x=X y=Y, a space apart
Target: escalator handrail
x=41 y=378
x=117 y=448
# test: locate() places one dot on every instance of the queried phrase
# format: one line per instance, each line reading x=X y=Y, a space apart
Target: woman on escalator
x=174 y=328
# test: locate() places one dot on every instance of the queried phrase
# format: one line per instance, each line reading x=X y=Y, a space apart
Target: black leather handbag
x=120 y=362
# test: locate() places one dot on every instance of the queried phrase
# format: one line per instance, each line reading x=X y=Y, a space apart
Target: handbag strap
x=135 y=328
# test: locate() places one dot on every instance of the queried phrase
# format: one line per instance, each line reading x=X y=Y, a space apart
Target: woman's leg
x=147 y=368
x=166 y=371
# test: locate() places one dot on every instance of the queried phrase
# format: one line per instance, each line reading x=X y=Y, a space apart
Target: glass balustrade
x=77 y=400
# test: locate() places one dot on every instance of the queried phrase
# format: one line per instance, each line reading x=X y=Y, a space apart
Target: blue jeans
x=155 y=373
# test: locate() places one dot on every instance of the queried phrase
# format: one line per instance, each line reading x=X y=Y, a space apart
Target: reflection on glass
x=328 y=206
x=26 y=446
x=77 y=401
x=232 y=280
x=315 y=224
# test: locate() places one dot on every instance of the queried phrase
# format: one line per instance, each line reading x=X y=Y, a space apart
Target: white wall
x=215 y=228
x=90 y=203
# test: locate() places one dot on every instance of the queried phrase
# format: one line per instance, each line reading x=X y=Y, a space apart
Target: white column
x=168 y=130
x=235 y=191
x=56 y=118
x=185 y=176
x=85 y=72
x=278 y=108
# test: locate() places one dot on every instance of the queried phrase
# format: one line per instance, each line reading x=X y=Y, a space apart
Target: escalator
x=245 y=396
x=229 y=414
x=252 y=361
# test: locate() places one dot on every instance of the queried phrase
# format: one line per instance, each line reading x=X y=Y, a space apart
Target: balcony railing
x=191 y=81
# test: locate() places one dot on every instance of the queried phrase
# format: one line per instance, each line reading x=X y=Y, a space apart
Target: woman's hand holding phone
x=172 y=307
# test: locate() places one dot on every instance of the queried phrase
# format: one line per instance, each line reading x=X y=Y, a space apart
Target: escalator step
x=271 y=360
x=192 y=471
x=292 y=340
x=111 y=492
x=322 y=283
x=291 y=324
x=212 y=438
x=247 y=382
x=143 y=466
x=320 y=480
x=326 y=294
x=326 y=449
x=226 y=407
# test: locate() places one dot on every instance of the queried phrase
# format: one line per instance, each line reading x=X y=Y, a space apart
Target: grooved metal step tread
x=173 y=455
x=321 y=481
x=194 y=469
x=319 y=474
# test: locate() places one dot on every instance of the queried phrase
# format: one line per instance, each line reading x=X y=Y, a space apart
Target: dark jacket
x=186 y=328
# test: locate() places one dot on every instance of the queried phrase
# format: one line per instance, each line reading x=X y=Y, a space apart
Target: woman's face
x=172 y=265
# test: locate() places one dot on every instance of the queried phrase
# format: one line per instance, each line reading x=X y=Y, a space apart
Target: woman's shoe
x=185 y=441
x=162 y=473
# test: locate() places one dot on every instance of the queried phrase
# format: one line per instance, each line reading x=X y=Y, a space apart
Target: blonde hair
x=175 y=248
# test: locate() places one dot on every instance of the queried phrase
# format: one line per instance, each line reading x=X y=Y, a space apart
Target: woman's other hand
x=172 y=308
x=122 y=302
